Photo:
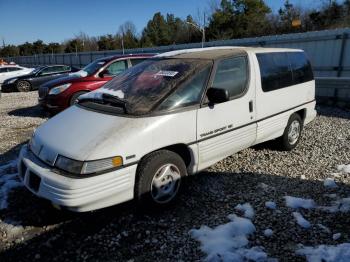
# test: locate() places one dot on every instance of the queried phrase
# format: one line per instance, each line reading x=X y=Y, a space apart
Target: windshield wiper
x=107 y=99
x=115 y=101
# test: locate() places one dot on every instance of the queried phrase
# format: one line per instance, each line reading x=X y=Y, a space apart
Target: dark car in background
x=37 y=77
x=58 y=94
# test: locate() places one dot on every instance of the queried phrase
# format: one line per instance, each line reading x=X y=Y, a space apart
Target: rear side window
x=275 y=71
x=232 y=75
x=301 y=67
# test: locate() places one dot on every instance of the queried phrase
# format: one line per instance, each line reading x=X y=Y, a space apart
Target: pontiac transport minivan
x=168 y=117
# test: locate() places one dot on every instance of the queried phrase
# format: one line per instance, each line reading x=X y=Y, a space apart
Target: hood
x=20 y=77
x=62 y=80
x=82 y=134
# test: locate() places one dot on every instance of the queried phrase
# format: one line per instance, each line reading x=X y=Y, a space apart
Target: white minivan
x=166 y=118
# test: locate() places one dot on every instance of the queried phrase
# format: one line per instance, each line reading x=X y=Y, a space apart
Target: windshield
x=145 y=86
x=37 y=69
x=91 y=68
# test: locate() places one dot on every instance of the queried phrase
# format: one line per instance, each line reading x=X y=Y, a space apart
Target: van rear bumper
x=76 y=194
x=310 y=113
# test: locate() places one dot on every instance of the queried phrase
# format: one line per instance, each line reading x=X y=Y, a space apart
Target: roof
x=218 y=52
x=109 y=58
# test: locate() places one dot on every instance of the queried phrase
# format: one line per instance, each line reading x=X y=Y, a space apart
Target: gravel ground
x=30 y=229
x=19 y=116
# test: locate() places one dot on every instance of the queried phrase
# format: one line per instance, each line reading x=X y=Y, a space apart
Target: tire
x=292 y=133
x=23 y=86
x=159 y=178
x=75 y=96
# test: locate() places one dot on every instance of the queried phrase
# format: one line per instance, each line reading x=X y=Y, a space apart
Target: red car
x=57 y=95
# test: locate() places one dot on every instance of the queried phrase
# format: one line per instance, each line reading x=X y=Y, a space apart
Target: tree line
x=226 y=19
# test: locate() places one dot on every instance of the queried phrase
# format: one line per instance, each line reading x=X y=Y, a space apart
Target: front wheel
x=23 y=86
x=159 y=178
x=292 y=133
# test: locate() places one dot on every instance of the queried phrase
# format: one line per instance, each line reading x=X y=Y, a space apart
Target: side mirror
x=102 y=73
x=217 y=95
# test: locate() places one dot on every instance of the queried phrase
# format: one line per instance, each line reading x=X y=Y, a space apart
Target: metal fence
x=329 y=51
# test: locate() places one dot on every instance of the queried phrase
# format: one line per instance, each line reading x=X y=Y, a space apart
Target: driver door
x=226 y=128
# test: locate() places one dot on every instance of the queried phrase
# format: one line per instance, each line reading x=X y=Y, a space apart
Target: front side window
x=188 y=94
x=232 y=75
x=116 y=68
x=47 y=71
x=94 y=66
x=142 y=88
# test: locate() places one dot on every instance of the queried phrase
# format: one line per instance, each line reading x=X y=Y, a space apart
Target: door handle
x=250 y=106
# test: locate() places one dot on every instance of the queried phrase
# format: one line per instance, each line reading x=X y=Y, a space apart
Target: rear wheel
x=23 y=86
x=75 y=96
x=159 y=178
x=292 y=133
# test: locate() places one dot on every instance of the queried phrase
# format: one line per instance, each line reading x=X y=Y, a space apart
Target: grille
x=43 y=91
x=22 y=170
x=34 y=181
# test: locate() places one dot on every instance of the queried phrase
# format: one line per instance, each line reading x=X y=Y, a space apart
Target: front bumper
x=8 y=87
x=76 y=194
x=52 y=103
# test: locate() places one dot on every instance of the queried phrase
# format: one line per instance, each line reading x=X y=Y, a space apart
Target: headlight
x=69 y=165
x=59 y=89
x=10 y=81
x=89 y=167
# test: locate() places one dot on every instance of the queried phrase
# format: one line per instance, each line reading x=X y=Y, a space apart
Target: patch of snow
x=324 y=228
x=80 y=73
x=270 y=205
x=324 y=253
x=12 y=230
x=266 y=187
x=344 y=168
x=329 y=183
x=192 y=50
x=268 y=232
x=336 y=236
x=8 y=181
x=339 y=205
x=246 y=209
x=301 y=220
x=228 y=242
x=296 y=202
x=330 y=195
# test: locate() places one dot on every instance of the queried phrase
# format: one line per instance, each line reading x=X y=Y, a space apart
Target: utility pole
x=123 y=43
x=203 y=35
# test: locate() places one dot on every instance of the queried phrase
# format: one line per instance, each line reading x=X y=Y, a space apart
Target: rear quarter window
x=283 y=69
x=301 y=67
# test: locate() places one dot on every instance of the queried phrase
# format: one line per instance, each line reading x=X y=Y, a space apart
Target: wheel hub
x=294 y=132
x=165 y=183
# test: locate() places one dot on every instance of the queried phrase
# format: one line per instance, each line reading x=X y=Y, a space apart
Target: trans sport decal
x=218 y=130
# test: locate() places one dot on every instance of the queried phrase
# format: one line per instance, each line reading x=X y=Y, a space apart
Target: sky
x=56 y=21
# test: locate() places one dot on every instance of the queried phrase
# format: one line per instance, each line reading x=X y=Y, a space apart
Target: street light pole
x=201 y=29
